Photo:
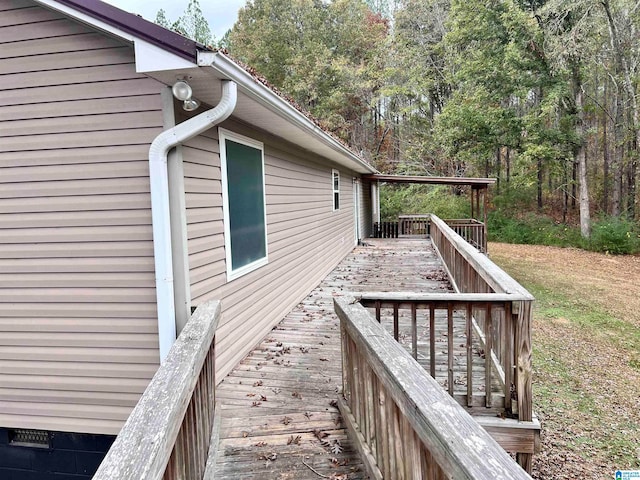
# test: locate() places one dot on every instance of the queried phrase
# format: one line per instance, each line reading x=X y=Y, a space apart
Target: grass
x=581 y=311
x=557 y=377
x=586 y=354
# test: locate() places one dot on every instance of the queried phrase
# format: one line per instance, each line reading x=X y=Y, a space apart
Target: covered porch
x=410 y=224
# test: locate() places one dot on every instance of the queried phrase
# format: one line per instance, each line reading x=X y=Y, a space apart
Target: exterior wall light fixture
x=182 y=91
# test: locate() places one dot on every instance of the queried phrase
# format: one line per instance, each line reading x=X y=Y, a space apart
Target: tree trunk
x=539 y=184
x=574 y=182
x=618 y=152
x=632 y=168
x=605 y=160
x=581 y=160
x=624 y=69
x=498 y=168
x=565 y=192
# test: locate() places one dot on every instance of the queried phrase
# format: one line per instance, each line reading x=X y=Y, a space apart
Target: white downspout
x=160 y=206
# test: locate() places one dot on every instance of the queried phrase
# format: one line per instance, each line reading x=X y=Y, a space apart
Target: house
x=124 y=205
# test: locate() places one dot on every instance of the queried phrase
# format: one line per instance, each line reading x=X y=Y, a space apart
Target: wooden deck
x=279 y=416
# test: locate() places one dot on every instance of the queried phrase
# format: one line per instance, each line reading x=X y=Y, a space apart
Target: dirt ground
x=586 y=357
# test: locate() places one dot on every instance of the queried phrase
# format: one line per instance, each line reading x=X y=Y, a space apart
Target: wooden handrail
x=405 y=424
x=472 y=272
x=472 y=230
x=167 y=434
x=450 y=245
x=462 y=298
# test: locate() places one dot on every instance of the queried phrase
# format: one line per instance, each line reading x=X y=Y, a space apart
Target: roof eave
x=471 y=181
x=258 y=92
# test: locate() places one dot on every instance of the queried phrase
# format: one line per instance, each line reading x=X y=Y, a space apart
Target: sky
x=221 y=14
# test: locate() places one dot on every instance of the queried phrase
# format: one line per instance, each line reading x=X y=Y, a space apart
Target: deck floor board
x=279 y=418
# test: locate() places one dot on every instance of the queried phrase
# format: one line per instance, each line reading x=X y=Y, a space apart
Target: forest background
x=540 y=94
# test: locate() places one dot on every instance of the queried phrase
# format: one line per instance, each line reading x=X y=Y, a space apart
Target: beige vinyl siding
x=78 y=321
x=306 y=238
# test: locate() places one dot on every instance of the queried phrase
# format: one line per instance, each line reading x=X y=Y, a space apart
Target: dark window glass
x=246 y=204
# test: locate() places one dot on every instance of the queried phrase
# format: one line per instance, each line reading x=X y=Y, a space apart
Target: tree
x=326 y=56
x=191 y=23
x=161 y=19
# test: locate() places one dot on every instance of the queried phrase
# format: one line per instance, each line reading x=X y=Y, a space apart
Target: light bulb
x=190 y=104
x=181 y=90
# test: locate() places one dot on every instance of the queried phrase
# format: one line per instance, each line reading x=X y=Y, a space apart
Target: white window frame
x=223 y=136
x=335 y=190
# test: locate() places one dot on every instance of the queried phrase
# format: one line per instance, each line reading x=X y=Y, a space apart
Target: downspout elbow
x=159 y=179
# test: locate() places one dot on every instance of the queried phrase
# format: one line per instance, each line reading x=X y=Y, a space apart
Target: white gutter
x=274 y=102
x=160 y=206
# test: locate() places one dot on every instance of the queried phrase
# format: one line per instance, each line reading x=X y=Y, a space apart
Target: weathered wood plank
x=361 y=445
x=416 y=395
x=143 y=448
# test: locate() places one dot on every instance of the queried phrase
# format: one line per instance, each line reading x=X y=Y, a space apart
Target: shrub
x=418 y=199
x=614 y=235
x=531 y=229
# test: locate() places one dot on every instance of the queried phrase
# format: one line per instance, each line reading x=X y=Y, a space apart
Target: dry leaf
x=320 y=435
x=286 y=420
x=336 y=448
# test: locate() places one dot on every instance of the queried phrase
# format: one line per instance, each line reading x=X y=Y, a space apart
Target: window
x=336 y=189
x=245 y=223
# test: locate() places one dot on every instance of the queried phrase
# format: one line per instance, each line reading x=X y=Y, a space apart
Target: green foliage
x=161 y=19
x=421 y=199
x=325 y=55
x=614 y=235
x=531 y=229
x=609 y=234
x=190 y=24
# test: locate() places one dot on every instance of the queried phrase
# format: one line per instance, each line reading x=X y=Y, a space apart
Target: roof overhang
x=468 y=181
x=167 y=57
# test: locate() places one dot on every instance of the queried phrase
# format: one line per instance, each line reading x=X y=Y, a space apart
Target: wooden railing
x=169 y=433
x=507 y=336
x=404 y=424
x=414 y=224
x=473 y=231
x=443 y=313
x=385 y=230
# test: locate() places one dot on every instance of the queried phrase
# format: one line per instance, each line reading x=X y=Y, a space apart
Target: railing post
x=524 y=372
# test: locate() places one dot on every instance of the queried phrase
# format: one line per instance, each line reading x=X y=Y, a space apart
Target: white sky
x=221 y=14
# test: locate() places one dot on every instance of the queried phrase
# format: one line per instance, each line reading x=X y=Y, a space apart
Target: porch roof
x=473 y=182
